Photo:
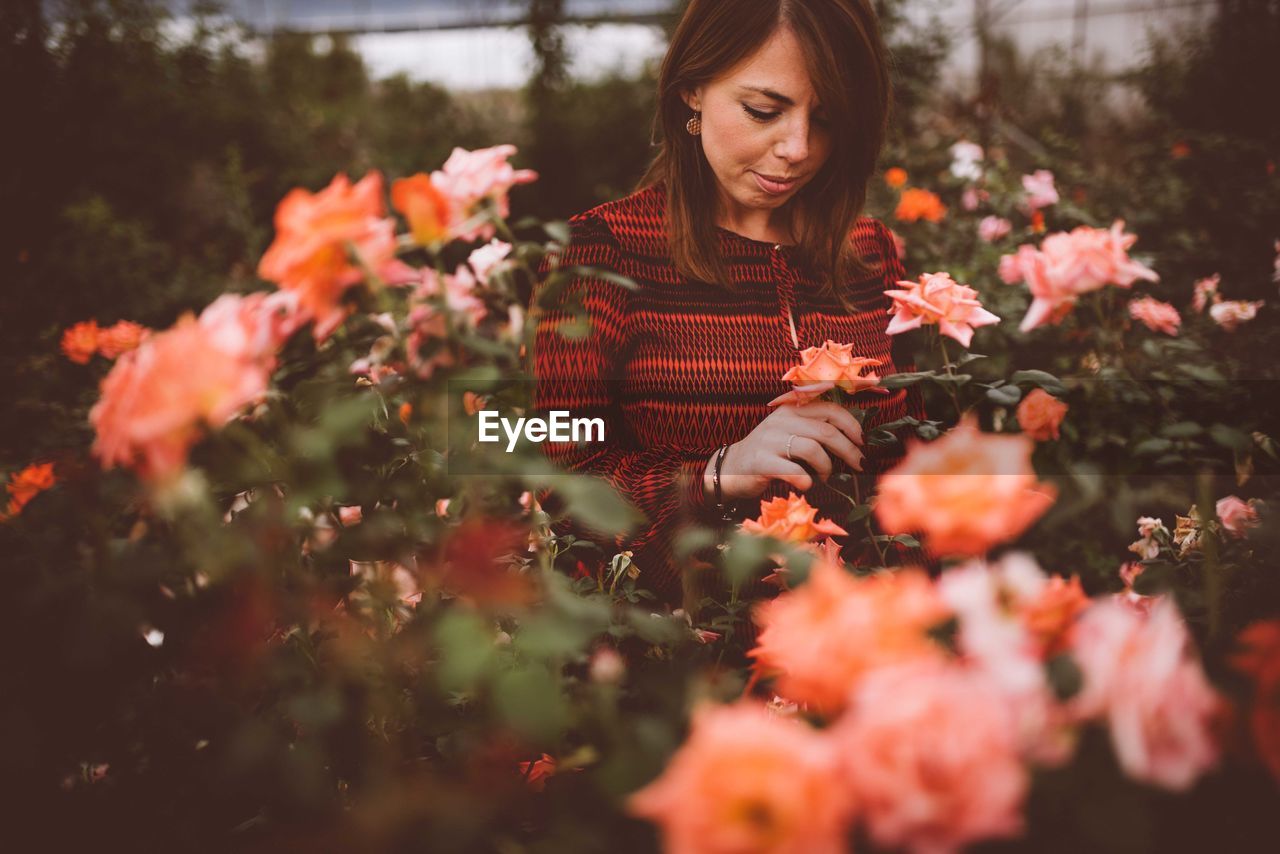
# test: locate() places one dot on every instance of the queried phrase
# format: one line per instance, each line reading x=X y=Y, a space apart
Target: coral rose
x=835 y=363
x=1237 y=516
x=929 y=752
x=1230 y=314
x=1142 y=677
x=315 y=235
x=916 y=204
x=80 y=342
x=748 y=780
x=26 y=484
x=965 y=492
x=1156 y=315
x=1040 y=415
x=937 y=299
x=821 y=638
x=123 y=336
x=153 y=407
x=791 y=519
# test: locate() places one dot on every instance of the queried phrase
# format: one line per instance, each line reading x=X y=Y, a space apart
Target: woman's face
x=763 y=132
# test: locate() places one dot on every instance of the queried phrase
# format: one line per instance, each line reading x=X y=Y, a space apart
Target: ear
x=692 y=98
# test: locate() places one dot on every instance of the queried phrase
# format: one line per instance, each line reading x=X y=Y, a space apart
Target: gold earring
x=694 y=125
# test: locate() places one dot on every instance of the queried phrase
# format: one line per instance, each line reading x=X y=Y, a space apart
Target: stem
x=951 y=372
x=1214 y=575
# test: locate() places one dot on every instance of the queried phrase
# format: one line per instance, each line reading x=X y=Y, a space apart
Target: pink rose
x=1156 y=315
x=1040 y=189
x=1206 y=290
x=1141 y=676
x=486 y=259
x=471 y=177
x=937 y=299
x=1237 y=516
x=992 y=228
x=929 y=752
x=1229 y=314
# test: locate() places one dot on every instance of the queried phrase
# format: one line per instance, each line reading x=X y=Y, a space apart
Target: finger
x=835 y=415
x=835 y=441
x=811 y=451
x=796 y=477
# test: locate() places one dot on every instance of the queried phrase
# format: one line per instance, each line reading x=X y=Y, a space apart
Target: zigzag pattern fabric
x=676 y=368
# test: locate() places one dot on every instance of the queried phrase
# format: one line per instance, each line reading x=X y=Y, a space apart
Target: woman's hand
x=816 y=431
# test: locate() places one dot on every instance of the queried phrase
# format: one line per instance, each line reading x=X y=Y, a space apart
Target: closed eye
x=759 y=115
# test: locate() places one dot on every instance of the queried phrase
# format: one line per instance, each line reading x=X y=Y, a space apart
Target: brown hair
x=847 y=63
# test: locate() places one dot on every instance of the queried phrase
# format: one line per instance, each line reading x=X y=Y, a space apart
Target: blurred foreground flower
x=1259 y=659
x=748 y=780
x=965 y=492
x=471 y=177
x=821 y=638
x=937 y=299
x=316 y=236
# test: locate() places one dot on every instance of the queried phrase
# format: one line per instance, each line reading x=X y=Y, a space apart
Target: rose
x=1156 y=315
x=936 y=299
x=916 y=204
x=791 y=519
x=835 y=363
x=1229 y=314
x=1040 y=189
x=992 y=228
x=1237 y=516
x=1040 y=414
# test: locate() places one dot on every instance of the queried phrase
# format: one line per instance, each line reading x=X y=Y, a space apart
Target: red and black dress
x=677 y=368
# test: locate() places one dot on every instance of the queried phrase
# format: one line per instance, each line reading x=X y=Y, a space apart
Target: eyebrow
x=776 y=96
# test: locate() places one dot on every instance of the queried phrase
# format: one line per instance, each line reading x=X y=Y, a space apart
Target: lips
x=774 y=184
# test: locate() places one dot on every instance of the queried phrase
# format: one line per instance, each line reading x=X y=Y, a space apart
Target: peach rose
x=1237 y=516
x=821 y=638
x=1229 y=314
x=471 y=177
x=1141 y=676
x=26 y=484
x=1156 y=315
x=122 y=337
x=427 y=209
x=748 y=780
x=916 y=204
x=928 y=750
x=80 y=342
x=895 y=177
x=1040 y=415
x=791 y=519
x=315 y=234
x=937 y=299
x=1206 y=291
x=835 y=363
x=965 y=492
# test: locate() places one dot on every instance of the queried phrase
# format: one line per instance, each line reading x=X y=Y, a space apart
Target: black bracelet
x=724 y=513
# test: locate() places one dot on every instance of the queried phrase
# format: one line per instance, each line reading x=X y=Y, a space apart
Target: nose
x=793 y=145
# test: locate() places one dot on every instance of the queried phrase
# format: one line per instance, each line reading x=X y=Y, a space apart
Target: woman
x=745 y=242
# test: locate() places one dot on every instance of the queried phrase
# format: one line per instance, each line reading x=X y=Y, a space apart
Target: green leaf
x=1230 y=437
x=950 y=379
x=857 y=514
x=530 y=702
x=1204 y=373
x=967 y=358
x=596 y=504
x=903 y=380
x=466 y=650
x=1043 y=379
x=1151 y=447
x=1005 y=395
x=1065 y=677
x=1181 y=430
x=1157 y=577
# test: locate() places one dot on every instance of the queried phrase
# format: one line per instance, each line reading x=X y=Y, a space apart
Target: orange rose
x=835 y=363
x=917 y=204
x=965 y=492
x=426 y=208
x=120 y=338
x=820 y=639
x=748 y=780
x=1040 y=414
x=315 y=235
x=1050 y=616
x=27 y=484
x=80 y=342
x=895 y=177
x=791 y=519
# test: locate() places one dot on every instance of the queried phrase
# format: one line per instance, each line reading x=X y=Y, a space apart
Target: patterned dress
x=676 y=368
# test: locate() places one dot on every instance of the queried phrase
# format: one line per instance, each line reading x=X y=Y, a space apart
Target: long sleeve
x=586 y=375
